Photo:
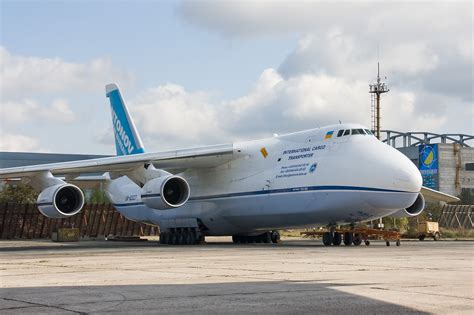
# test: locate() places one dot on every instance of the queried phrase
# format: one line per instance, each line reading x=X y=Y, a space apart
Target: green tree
x=18 y=193
x=98 y=196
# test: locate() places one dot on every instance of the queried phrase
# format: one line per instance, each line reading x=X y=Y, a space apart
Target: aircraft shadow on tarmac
x=97 y=245
x=255 y=297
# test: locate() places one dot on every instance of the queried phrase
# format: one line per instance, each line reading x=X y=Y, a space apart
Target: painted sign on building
x=429 y=165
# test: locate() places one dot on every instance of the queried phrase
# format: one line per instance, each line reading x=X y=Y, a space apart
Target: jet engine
x=60 y=201
x=412 y=211
x=165 y=192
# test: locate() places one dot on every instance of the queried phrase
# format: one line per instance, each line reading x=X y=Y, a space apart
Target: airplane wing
x=201 y=157
x=434 y=195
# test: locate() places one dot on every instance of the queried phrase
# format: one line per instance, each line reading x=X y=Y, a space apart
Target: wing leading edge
x=435 y=196
x=201 y=157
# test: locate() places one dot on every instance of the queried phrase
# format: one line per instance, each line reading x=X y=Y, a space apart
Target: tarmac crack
x=35 y=304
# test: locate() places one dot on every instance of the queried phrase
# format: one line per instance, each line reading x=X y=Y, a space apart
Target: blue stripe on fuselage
x=279 y=191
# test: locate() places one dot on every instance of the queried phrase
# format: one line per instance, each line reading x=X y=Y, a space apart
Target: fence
x=25 y=221
x=457 y=217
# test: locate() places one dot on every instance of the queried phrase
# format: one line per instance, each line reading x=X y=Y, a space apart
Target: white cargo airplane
x=338 y=174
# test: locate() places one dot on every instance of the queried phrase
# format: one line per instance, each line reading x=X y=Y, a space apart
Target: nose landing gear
x=355 y=236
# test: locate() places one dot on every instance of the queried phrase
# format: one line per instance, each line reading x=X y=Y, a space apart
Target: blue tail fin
x=127 y=139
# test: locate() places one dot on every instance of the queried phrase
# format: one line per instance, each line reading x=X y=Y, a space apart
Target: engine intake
x=412 y=211
x=165 y=192
x=60 y=201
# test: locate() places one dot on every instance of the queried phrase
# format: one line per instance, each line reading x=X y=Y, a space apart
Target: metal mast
x=376 y=89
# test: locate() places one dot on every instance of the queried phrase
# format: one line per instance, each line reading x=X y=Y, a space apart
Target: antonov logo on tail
x=121 y=133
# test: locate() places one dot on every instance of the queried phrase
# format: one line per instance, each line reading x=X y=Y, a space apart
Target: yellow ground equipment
x=66 y=235
x=430 y=229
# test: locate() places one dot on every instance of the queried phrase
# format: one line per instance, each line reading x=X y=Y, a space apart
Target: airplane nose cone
x=407 y=177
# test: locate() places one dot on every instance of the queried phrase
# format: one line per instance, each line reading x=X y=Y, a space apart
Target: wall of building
x=453 y=175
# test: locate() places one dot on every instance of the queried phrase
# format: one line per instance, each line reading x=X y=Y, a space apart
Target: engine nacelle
x=60 y=201
x=412 y=211
x=165 y=192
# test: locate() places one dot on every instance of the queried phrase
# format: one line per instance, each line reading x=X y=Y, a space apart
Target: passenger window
x=340 y=132
x=347 y=132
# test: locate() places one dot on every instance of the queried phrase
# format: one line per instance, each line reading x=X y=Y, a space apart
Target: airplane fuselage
x=308 y=178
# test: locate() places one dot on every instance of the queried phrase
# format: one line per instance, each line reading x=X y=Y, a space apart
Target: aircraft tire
x=327 y=239
x=357 y=240
x=267 y=237
x=235 y=239
x=275 y=237
x=196 y=236
x=348 y=237
x=337 y=239
x=187 y=238
x=164 y=238
x=173 y=238
x=181 y=237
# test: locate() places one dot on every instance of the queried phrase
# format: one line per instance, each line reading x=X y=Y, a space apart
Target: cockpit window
x=340 y=132
x=347 y=132
x=368 y=132
x=358 y=132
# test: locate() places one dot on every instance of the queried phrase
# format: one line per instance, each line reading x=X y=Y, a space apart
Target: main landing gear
x=267 y=237
x=182 y=236
x=337 y=238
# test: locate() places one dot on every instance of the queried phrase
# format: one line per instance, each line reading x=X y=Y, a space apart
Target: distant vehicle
x=339 y=174
x=428 y=229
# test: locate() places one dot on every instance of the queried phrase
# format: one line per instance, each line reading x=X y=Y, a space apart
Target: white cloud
x=169 y=115
x=32 y=91
x=28 y=76
x=16 y=142
x=28 y=110
x=401 y=20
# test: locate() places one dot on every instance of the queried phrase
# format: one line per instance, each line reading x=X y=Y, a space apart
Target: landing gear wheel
x=164 y=238
x=421 y=237
x=187 y=238
x=337 y=239
x=367 y=243
x=327 y=239
x=348 y=237
x=437 y=236
x=387 y=243
x=180 y=238
x=397 y=243
x=267 y=238
x=201 y=239
x=195 y=235
x=275 y=237
x=357 y=240
x=173 y=240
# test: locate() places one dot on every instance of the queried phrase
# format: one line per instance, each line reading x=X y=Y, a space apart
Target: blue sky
x=147 y=38
x=201 y=72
